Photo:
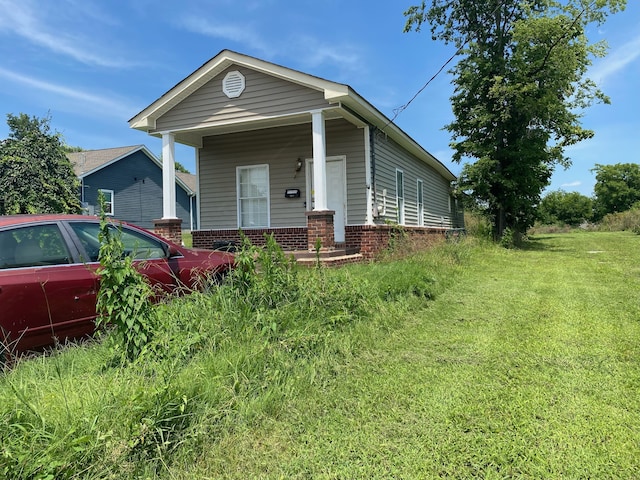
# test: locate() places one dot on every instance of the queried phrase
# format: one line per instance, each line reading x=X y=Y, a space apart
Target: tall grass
x=219 y=362
x=623 y=221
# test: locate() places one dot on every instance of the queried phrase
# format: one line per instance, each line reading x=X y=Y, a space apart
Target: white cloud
x=102 y=106
x=616 y=61
x=577 y=183
x=242 y=34
x=35 y=24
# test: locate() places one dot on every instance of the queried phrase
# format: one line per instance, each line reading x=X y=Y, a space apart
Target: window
x=40 y=245
x=400 y=195
x=420 y=203
x=253 y=196
x=108 y=201
x=135 y=244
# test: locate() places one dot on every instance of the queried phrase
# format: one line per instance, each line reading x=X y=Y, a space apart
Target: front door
x=336 y=193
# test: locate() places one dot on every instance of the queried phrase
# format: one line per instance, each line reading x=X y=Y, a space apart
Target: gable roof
x=346 y=100
x=88 y=162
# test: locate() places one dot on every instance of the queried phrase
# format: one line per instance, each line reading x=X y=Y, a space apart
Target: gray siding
x=137 y=185
x=264 y=97
x=436 y=190
x=280 y=148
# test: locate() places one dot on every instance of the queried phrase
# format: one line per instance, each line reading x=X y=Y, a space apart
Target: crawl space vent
x=233 y=84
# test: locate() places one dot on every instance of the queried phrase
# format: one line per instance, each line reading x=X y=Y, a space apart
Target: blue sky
x=94 y=64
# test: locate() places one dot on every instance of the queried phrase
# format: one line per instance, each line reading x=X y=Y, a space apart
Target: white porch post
x=319 y=161
x=367 y=169
x=168 y=176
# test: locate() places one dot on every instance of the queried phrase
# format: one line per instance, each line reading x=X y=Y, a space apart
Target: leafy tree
x=571 y=208
x=35 y=174
x=617 y=187
x=519 y=89
x=181 y=168
x=71 y=149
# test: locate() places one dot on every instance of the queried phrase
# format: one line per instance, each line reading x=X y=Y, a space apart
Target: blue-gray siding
x=137 y=185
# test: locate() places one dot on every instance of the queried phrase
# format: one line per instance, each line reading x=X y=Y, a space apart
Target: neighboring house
x=301 y=157
x=131 y=180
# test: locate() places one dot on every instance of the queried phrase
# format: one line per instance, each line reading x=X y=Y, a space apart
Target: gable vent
x=233 y=84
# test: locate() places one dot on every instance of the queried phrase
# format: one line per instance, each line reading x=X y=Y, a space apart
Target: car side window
x=136 y=245
x=88 y=233
x=33 y=246
x=140 y=246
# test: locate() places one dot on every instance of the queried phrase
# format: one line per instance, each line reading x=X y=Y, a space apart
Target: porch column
x=169 y=226
x=319 y=161
x=168 y=176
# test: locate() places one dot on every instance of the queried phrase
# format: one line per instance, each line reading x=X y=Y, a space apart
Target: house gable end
x=264 y=96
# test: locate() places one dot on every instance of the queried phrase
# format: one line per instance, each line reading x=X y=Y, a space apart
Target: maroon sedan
x=48 y=281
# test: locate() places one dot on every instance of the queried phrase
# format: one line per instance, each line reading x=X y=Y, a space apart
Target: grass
x=470 y=361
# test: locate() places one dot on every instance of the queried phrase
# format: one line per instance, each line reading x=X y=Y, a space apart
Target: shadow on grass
x=541 y=244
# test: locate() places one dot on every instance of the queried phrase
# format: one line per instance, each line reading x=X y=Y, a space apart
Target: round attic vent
x=233 y=84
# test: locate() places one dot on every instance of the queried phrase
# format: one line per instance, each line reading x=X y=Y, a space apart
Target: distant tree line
x=617 y=190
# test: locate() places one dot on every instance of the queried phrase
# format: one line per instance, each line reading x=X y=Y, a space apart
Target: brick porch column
x=169 y=228
x=320 y=225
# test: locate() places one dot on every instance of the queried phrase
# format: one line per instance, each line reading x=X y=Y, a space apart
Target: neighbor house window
x=253 y=196
x=400 y=195
x=420 y=203
x=108 y=201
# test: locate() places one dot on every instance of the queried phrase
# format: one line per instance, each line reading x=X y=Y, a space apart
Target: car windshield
x=136 y=245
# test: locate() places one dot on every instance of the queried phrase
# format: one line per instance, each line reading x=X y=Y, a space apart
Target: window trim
x=420 y=201
x=267 y=194
x=112 y=202
x=400 y=197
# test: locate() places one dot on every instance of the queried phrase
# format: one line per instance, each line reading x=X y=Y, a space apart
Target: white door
x=336 y=193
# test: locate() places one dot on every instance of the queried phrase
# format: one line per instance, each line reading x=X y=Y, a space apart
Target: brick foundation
x=288 y=238
x=169 y=228
x=371 y=240
x=368 y=240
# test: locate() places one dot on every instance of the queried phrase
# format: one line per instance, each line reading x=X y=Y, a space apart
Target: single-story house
x=131 y=181
x=304 y=158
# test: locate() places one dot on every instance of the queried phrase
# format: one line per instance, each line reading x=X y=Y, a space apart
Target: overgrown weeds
x=214 y=363
x=124 y=296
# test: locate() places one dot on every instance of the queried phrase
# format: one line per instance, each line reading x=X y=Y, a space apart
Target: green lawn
x=526 y=364
x=527 y=367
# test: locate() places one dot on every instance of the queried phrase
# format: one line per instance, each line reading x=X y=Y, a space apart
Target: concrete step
x=329 y=257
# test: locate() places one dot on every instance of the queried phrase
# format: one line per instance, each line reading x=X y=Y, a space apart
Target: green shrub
x=124 y=296
x=477 y=226
x=623 y=221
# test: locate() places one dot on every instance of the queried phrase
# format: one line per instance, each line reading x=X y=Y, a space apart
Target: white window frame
x=112 y=203
x=239 y=199
x=400 y=196
x=420 y=201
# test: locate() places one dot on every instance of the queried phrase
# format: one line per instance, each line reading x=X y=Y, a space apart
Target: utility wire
x=402 y=108
x=397 y=111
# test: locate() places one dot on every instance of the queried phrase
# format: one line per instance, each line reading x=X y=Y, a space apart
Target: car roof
x=7 y=220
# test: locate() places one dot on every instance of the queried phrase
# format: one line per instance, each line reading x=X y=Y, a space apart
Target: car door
x=44 y=292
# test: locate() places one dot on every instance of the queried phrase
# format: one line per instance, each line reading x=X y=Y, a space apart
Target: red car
x=48 y=280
